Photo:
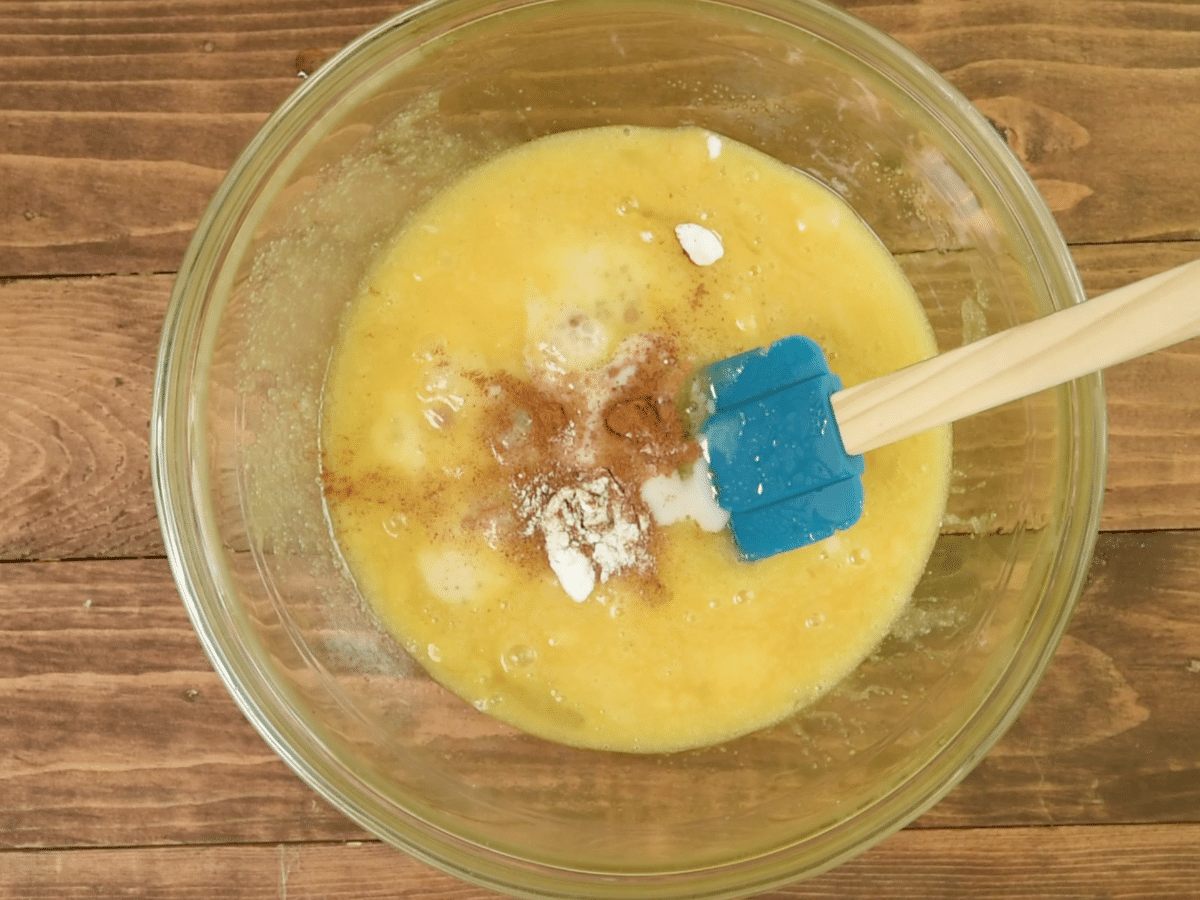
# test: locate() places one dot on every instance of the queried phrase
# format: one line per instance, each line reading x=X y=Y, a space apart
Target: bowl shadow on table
x=315 y=653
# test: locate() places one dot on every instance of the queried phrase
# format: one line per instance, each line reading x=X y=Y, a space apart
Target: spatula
x=784 y=441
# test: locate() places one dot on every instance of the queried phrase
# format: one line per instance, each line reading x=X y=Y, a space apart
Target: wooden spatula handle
x=1128 y=322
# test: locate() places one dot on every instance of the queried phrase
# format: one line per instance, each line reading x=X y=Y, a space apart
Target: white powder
x=573 y=568
x=591 y=530
x=702 y=246
x=672 y=498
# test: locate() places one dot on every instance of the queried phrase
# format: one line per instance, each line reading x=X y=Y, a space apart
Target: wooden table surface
x=125 y=768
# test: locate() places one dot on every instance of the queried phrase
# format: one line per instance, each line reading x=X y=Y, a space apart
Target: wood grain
x=120 y=119
x=1071 y=85
x=980 y=864
x=1153 y=414
x=1108 y=736
x=120 y=123
x=76 y=366
x=116 y=729
x=117 y=732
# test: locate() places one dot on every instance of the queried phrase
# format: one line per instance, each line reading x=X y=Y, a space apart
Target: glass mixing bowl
x=380 y=128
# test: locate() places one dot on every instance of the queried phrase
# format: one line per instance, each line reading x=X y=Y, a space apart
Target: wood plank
x=76 y=365
x=116 y=729
x=117 y=732
x=1098 y=100
x=977 y=864
x=1153 y=409
x=1111 y=734
x=76 y=370
x=121 y=119
x=1051 y=80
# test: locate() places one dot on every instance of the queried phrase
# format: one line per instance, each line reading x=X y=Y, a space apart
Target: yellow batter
x=551 y=274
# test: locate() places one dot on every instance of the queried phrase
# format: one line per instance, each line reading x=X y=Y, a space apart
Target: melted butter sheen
x=539 y=265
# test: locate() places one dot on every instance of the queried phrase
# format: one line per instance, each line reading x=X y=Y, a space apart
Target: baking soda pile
x=592 y=530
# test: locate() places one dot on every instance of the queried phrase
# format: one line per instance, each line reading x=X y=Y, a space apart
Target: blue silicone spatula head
x=774 y=451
